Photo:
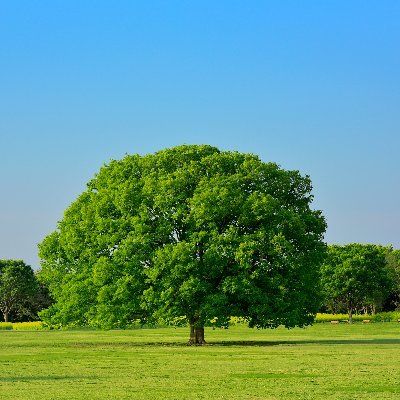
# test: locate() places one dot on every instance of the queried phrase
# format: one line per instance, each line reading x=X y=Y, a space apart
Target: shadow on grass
x=247 y=343
x=43 y=378
x=308 y=342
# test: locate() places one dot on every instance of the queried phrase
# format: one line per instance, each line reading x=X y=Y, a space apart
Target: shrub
x=330 y=317
x=387 y=316
x=341 y=317
x=6 y=326
x=27 y=326
x=392 y=316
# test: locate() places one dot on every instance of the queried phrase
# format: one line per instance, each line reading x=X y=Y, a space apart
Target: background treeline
x=355 y=279
x=22 y=294
x=360 y=279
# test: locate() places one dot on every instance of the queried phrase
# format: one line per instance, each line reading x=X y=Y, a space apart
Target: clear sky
x=311 y=85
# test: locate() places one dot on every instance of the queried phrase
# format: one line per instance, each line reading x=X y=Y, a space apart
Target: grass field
x=321 y=362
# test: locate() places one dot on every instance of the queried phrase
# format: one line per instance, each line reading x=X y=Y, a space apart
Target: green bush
x=391 y=316
x=341 y=317
x=330 y=317
x=27 y=326
x=21 y=326
x=6 y=326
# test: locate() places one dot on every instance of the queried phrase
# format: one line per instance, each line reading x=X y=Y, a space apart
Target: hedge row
x=21 y=326
x=392 y=316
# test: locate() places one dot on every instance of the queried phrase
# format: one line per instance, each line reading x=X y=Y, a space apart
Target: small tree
x=18 y=286
x=354 y=276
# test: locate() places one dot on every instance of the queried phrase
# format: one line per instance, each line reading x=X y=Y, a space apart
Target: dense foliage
x=356 y=278
x=18 y=290
x=393 y=266
x=189 y=232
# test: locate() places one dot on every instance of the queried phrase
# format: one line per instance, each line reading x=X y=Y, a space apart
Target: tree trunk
x=350 y=316
x=5 y=314
x=196 y=335
x=200 y=335
x=192 y=338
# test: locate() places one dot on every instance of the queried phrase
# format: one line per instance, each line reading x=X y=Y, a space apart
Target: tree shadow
x=247 y=343
x=43 y=378
x=258 y=343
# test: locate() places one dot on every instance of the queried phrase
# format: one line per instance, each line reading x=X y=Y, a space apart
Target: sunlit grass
x=342 y=361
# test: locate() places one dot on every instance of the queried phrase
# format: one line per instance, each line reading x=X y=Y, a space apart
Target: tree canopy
x=393 y=265
x=189 y=233
x=355 y=277
x=18 y=288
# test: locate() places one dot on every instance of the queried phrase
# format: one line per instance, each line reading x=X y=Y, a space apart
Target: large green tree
x=355 y=276
x=18 y=288
x=189 y=233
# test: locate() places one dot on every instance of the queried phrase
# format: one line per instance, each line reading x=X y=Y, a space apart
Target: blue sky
x=311 y=85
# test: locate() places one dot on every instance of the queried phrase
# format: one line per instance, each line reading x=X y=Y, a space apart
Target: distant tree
x=29 y=308
x=393 y=266
x=354 y=276
x=18 y=287
x=189 y=232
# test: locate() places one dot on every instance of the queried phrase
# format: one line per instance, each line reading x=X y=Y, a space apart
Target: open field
x=321 y=362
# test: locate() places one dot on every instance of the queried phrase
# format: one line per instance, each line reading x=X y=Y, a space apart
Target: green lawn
x=321 y=362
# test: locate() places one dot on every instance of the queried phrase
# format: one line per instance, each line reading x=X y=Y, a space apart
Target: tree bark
x=200 y=335
x=5 y=314
x=350 y=316
x=196 y=335
x=192 y=337
x=350 y=309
